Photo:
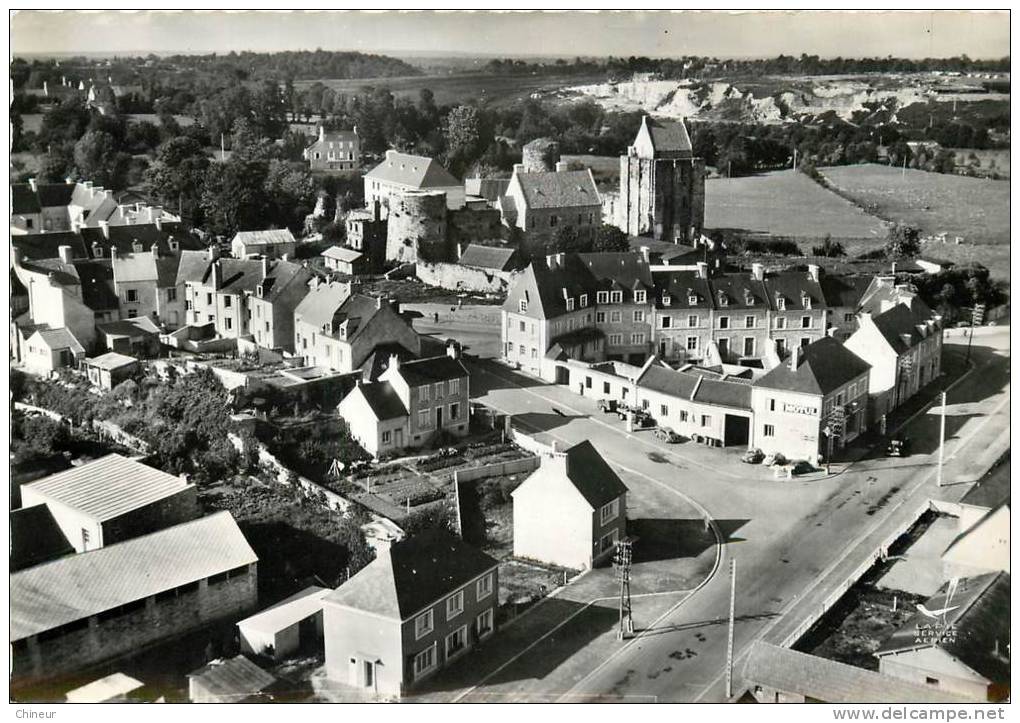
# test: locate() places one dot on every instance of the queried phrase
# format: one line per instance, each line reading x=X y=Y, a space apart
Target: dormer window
x=570 y=303
x=667 y=299
x=258 y=291
x=748 y=298
x=522 y=306
x=602 y=297
x=640 y=296
x=584 y=300
x=781 y=303
x=616 y=297
x=692 y=299
x=724 y=300
x=805 y=301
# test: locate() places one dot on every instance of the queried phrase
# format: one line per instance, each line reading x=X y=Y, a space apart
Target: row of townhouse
x=618 y=306
x=44 y=207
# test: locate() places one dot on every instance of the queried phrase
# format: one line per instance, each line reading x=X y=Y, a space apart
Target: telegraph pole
x=622 y=559
x=942 y=437
x=729 y=638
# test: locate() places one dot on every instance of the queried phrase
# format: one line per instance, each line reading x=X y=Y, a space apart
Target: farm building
x=108 y=370
x=232 y=680
x=285 y=627
x=571 y=511
x=275 y=243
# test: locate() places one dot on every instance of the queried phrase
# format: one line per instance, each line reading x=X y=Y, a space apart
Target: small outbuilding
x=345 y=260
x=108 y=370
x=114 y=688
x=288 y=626
x=231 y=680
x=50 y=349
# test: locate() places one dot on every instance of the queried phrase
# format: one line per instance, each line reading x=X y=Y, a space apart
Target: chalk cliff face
x=796 y=100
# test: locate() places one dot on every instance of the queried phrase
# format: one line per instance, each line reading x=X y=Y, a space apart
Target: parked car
x=775 y=458
x=667 y=435
x=801 y=466
x=898 y=447
x=607 y=405
x=642 y=419
x=753 y=456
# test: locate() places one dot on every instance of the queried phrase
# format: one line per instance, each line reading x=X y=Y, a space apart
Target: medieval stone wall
x=416 y=227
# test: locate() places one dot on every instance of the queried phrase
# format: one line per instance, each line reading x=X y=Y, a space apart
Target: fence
x=528 y=464
x=531 y=443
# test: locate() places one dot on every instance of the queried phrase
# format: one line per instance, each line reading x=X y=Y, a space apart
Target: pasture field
x=786 y=204
x=460 y=87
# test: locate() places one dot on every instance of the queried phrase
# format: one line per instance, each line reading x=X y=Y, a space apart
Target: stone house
x=334 y=151
x=399 y=173
x=275 y=243
x=540 y=202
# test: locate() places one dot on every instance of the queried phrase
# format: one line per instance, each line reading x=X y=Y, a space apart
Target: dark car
x=753 y=456
x=801 y=467
x=898 y=447
x=667 y=435
x=607 y=405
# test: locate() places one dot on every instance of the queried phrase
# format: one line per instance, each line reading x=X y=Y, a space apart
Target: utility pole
x=729 y=638
x=795 y=159
x=622 y=559
x=942 y=437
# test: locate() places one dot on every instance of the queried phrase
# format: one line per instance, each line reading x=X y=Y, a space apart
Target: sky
x=654 y=34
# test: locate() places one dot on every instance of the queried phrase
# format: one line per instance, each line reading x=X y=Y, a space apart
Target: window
x=133 y=313
x=483 y=588
x=522 y=327
x=848 y=318
x=534 y=353
x=724 y=300
x=425 y=661
x=851 y=392
x=455 y=605
x=229 y=322
x=609 y=512
x=706 y=420
x=602 y=297
x=439 y=390
x=212 y=317
x=423 y=394
x=666 y=322
x=805 y=322
x=772 y=405
x=683 y=415
x=454 y=386
x=423 y=625
x=640 y=297
x=667 y=299
x=781 y=322
x=28 y=223
x=171 y=294
x=692 y=300
x=804 y=341
x=84 y=538
x=386 y=437
x=580 y=219
x=606 y=388
x=208 y=298
x=615 y=317
x=587 y=382
x=692 y=322
x=553 y=219
x=781 y=303
x=423 y=419
x=770 y=430
x=456 y=641
x=584 y=300
x=692 y=343
x=570 y=304
x=748 y=322
x=663 y=410
x=615 y=339
x=132 y=295
x=616 y=297
x=931 y=681
x=228 y=301
x=267 y=326
x=637 y=338
x=455 y=410
x=608 y=541
x=600 y=317
x=724 y=322
x=522 y=305
x=483 y=623
x=639 y=316
x=805 y=301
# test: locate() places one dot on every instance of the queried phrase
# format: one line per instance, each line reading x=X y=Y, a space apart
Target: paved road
x=795 y=542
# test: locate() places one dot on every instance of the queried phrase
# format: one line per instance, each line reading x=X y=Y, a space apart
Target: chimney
x=17 y=257
x=354 y=129
x=559 y=259
x=174 y=244
x=390 y=152
x=216 y=274
x=214 y=252
x=794 y=357
x=45 y=88
x=518 y=168
x=285 y=257
x=69 y=181
x=136 y=247
x=646 y=253
x=702 y=270
x=322 y=133
x=460 y=250
x=813 y=271
x=394 y=362
x=105 y=228
x=561 y=166
x=113 y=252
x=453 y=348
x=550 y=261
x=154 y=249
x=758 y=271
x=159 y=222
x=265 y=266
x=97 y=250
x=32 y=184
x=378 y=302
x=894 y=268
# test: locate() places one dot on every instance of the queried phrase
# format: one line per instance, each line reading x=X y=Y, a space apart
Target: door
x=724 y=349
x=749 y=346
x=398 y=438
x=369 y=674
x=439 y=417
x=781 y=347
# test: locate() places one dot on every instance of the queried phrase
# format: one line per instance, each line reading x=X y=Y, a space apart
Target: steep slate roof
x=435 y=369
x=192 y=267
x=60 y=339
x=793 y=286
x=134 y=267
x=981 y=619
x=823 y=366
x=668 y=136
x=383 y=399
x=417 y=172
x=62 y=273
x=96 y=277
x=491 y=189
x=791 y=671
x=844 y=291
x=622 y=270
x=140 y=326
x=732 y=393
x=488 y=257
x=737 y=290
x=589 y=472
x=47 y=245
x=991 y=492
x=667 y=381
x=109 y=486
x=680 y=285
x=559 y=189
x=36 y=537
x=412 y=575
x=322 y=302
x=572 y=275
x=54 y=194
x=281 y=275
x=898 y=326
x=23 y=199
x=111 y=361
x=75 y=587
x=237 y=275
x=234 y=679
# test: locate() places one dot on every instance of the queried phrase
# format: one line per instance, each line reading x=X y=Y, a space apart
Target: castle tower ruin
x=540 y=155
x=416 y=227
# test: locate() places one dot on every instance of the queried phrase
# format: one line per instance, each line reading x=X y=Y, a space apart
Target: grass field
x=974 y=208
x=498 y=89
x=788 y=204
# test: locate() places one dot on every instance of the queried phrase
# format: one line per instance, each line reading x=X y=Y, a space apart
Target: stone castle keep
x=662 y=185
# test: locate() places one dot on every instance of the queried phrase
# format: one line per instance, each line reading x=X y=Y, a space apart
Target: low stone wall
x=528 y=464
x=464 y=278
